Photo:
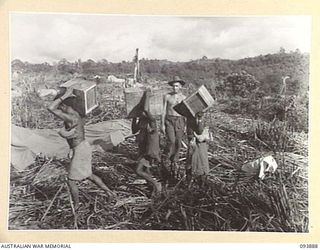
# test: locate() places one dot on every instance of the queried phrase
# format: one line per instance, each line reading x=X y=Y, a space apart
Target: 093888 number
x=308 y=245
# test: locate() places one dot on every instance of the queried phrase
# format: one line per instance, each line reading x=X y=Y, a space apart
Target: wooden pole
x=136 y=67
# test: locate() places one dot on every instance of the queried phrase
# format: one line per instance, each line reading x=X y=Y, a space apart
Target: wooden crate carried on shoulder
x=200 y=100
x=86 y=95
x=134 y=99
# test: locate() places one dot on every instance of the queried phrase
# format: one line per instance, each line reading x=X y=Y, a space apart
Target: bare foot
x=157 y=189
x=112 y=196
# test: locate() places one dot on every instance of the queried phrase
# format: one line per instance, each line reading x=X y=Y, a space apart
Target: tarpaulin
x=27 y=143
x=21 y=155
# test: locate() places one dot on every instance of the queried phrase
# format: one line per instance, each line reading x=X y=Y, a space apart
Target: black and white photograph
x=159 y=122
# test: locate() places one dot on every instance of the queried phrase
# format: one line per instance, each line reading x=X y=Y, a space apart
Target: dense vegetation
x=267 y=69
x=251 y=86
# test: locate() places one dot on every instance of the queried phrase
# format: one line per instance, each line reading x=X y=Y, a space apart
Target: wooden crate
x=134 y=98
x=201 y=100
x=86 y=95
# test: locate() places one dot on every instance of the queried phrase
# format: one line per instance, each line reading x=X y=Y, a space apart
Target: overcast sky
x=49 y=37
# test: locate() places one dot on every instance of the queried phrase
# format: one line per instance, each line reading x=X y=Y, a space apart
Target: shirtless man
x=80 y=167
x=173 y=124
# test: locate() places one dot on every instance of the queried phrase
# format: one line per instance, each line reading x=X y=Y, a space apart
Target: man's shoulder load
x=200 y=100
x=85 y=92
x=135 y=97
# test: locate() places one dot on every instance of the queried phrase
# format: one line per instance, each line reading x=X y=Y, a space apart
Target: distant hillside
x=267 y=69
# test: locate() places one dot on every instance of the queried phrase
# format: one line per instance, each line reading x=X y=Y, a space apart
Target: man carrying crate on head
x=80 y=167
x=148 y=143
x=173 y=125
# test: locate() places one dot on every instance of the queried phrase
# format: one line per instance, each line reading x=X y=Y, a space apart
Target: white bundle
x=47 y=93
x=205 y=136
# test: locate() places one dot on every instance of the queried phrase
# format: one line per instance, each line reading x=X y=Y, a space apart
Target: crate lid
x=206 y=95
x=133 y=89
x=78 y=83
x=142 y=89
